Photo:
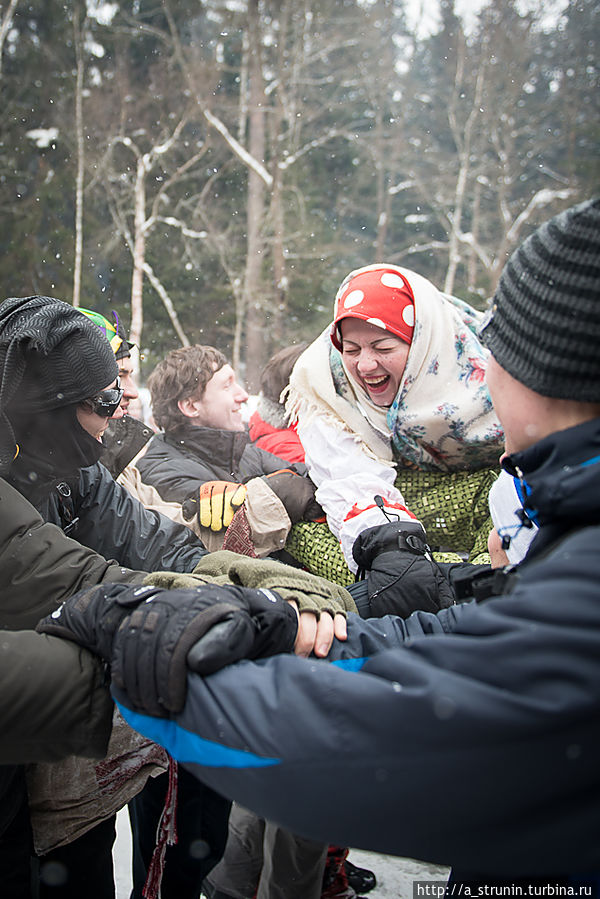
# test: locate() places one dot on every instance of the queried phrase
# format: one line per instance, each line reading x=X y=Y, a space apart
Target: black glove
x=297 y=493
x=151 y=637
x=403 y=576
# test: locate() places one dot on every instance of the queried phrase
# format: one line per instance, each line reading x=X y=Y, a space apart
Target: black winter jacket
x=40 y=568
x=468 y=737
x=59 y=705
x=123 y=439
x=97 y=512
x=177 y=464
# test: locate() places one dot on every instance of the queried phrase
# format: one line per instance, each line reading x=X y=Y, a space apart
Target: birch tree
x=476 y=174
x=7 y=12
x=80 y=154
x=252 y=294
x=144 y=220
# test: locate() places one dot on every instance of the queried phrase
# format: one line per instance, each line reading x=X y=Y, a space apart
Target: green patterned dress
x=453 y=508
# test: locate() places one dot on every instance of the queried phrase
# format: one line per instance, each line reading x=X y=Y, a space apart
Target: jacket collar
x=561 y=475
x=211 y=444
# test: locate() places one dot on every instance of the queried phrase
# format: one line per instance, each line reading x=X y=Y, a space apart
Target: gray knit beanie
x=543 y=327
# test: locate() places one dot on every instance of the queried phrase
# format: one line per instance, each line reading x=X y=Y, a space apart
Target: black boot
x=360 y=879
x=212 y=892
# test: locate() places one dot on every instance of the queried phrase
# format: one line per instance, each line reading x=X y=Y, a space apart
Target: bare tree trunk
x=252 y=292
x=277 y=214
x=463 y=143
x=382 y=193
x=472 y=258
x=239 y=295
x=77 y=264
x=243 y=110
x=139 y=254
x=5 y=25
x=278 y=256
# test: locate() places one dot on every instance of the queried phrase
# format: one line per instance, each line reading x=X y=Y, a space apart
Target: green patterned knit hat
x=120 y=346
x=543 y=327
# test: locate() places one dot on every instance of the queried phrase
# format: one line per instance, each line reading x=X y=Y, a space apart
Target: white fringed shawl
x=442 y=417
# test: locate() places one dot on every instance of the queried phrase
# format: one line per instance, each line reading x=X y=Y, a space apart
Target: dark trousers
x=16 y=843
x=201 y=819
x=265 y=861
x=83 y=867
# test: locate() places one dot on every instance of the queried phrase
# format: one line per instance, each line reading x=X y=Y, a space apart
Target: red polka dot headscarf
x=377 y=294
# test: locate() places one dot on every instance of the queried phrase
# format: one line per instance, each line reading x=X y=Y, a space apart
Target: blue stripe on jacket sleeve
x=185 y=746
x=350 y=664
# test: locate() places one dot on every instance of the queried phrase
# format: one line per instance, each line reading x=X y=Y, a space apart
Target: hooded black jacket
x=468 y=737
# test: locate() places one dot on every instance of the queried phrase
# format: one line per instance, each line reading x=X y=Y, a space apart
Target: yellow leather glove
x=215 y=504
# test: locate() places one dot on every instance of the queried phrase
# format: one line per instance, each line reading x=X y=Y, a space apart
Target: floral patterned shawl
x=442 y=417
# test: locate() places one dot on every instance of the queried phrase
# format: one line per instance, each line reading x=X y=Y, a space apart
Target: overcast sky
x=425 y=13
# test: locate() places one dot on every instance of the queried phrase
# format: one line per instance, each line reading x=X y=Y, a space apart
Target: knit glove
x=403 y=576
x=297 y=493
x=214 y=503
x=152 y=637
x=309 y=592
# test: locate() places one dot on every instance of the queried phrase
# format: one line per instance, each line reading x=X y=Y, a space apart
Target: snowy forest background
x=212 y=169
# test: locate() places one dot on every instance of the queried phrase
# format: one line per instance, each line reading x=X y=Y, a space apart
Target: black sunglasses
x=107 y=402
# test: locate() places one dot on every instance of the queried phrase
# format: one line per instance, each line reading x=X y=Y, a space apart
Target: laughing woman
x=391 y=402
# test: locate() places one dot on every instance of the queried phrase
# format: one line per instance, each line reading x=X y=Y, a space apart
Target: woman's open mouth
x=377 y=385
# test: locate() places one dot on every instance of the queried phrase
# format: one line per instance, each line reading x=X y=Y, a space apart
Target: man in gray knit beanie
x=543 y=329
x=544 y=324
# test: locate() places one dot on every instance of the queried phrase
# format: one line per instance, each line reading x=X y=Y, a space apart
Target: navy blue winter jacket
x=469 y=737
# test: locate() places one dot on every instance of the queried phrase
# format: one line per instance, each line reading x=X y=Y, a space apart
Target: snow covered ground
x=122 y=856
x=395 y=876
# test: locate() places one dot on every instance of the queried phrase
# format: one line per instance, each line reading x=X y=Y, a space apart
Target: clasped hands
x=152 y=637
x=315 y=635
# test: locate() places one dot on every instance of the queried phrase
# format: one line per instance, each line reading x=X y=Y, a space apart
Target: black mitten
x=151 y=637
x=297 y=493
x=403 y=576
